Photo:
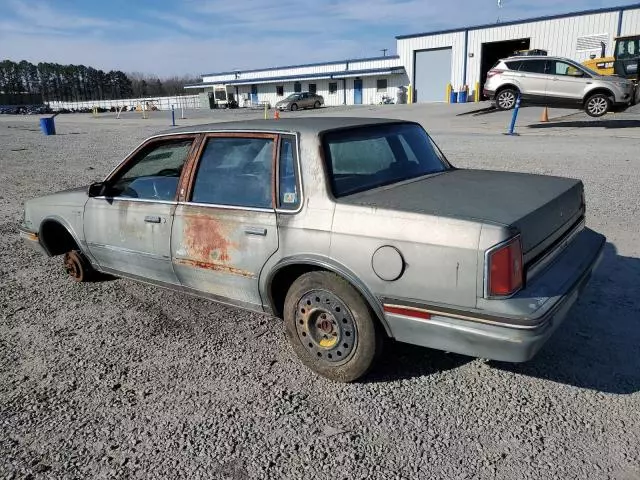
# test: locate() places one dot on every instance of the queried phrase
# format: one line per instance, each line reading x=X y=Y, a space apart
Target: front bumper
x=31 y=239
x=497 y=336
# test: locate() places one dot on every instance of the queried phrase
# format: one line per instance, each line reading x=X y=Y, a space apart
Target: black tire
x=78 y=266
x=597 y=105
x=316 y=105
x=294 y=107
x=322 y=304
x=506 y=99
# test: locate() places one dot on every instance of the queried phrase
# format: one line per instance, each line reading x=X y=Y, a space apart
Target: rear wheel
x=597 y=105
x=78 y=266
x=506 y=99
x=330 y=327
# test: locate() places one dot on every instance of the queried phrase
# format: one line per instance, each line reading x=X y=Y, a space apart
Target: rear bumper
x=502 y=337
x=32 y=240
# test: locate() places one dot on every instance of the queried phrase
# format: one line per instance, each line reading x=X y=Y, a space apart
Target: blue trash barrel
x=48 y=126
x=462 y=96
x=453 y=97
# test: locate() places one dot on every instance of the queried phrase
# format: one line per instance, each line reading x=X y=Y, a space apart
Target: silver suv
x=555 y=81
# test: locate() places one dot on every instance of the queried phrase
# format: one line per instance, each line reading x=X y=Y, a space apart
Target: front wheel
x=330 y=327
x=316 y=105
x=294 y=107
x=597 y=105
x=506 y=99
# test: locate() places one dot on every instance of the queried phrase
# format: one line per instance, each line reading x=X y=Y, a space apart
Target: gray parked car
x=352 y=230
x=557 y=82
x=296 y=101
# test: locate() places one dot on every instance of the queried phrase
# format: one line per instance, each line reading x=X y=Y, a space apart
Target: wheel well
x=507 y=87
x=596 y=91
x=56 y=239
x=282 y=281
x=284 y=278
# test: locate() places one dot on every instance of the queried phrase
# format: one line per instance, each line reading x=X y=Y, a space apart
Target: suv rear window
x=369 y=157
x=533 y=66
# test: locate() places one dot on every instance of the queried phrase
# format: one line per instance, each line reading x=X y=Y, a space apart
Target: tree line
x=75 y=83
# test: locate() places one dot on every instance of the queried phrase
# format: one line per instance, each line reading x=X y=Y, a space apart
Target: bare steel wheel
x=597 y=105
x=506 y=99
x=330 y=327
x=325 y=325
x=77 y=266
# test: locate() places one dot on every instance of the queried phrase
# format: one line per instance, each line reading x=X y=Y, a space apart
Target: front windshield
x=590 y=72
x=293 y=96
x=369 y=157
x=627 y=48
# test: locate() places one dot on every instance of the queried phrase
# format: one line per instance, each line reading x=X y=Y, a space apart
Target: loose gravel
x=118 y=379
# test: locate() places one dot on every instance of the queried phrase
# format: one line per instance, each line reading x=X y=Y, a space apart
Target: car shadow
x=614 y=124
x=596 y=348
x=402 y=361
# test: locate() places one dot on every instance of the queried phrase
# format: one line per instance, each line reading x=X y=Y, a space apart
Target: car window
x=515 y=65
x=533 y=66
x=154 y=173
x=288 y=194
x=235 y=172
x=557 y=67
x=369 y=157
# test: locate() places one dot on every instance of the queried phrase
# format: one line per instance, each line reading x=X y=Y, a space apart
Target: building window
x=312 y=88
x=381 y=85
x=280 y=91
x=297 y=87
x=333 y=87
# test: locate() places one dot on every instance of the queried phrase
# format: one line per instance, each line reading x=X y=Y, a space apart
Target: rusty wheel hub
x=73 y=266
x=326 y=327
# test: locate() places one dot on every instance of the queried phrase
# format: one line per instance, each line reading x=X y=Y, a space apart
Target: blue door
x=357 y=91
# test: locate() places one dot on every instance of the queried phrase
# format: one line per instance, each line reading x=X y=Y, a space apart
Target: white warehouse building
x=427 y=63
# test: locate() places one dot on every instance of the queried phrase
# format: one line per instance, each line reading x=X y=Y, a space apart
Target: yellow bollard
x=476 y=94
x=410 y=94
x=449 y=90
x=265 y=110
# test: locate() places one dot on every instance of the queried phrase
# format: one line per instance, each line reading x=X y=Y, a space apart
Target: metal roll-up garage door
x=432 y=73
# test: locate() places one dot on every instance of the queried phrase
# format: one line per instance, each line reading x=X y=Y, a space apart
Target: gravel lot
x=121 y=380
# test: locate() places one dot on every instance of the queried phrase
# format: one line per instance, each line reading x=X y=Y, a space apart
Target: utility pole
x=384 y=51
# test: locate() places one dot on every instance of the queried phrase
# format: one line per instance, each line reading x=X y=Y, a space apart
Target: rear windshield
x=369 y=157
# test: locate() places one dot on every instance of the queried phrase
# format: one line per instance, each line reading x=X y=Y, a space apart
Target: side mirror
x=97 y=189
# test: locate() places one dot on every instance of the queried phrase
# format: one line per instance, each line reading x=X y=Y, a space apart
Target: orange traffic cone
x=545 y=115
x=276 y=114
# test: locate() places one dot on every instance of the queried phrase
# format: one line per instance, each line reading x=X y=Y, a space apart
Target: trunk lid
x=537 y=205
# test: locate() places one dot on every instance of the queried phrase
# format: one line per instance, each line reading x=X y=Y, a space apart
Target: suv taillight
x=491 y=73
x=505 y=269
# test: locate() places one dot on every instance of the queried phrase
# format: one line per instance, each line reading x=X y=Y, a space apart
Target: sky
x=192 y=37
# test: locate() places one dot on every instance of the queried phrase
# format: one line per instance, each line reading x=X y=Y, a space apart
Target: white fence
x=160 y=103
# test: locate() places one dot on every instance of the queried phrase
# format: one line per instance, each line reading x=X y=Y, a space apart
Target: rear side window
x=369 y=157
x=235 y=172
x=533 y=66
x=515 y=65
x=288 y=192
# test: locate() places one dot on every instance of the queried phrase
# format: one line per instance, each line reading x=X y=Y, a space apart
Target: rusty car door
x=225 y=226
x=128 y=227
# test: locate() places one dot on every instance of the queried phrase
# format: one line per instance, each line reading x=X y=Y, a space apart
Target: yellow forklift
x=624 y=63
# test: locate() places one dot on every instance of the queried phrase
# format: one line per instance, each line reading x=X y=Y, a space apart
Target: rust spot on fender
x=206 y=239
x=216 y=267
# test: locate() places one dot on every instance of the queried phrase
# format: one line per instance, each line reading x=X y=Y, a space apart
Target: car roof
x=312 y=125
x=535 y=57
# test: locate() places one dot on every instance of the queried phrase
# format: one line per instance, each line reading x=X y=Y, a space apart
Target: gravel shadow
x=598 y=346
x=402 y=361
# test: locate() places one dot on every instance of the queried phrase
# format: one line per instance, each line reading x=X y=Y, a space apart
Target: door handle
x=259 y=231
x=152 y=219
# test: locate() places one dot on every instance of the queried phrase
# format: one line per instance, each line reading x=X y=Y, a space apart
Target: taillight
x=505 y=269
x=491 y=73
